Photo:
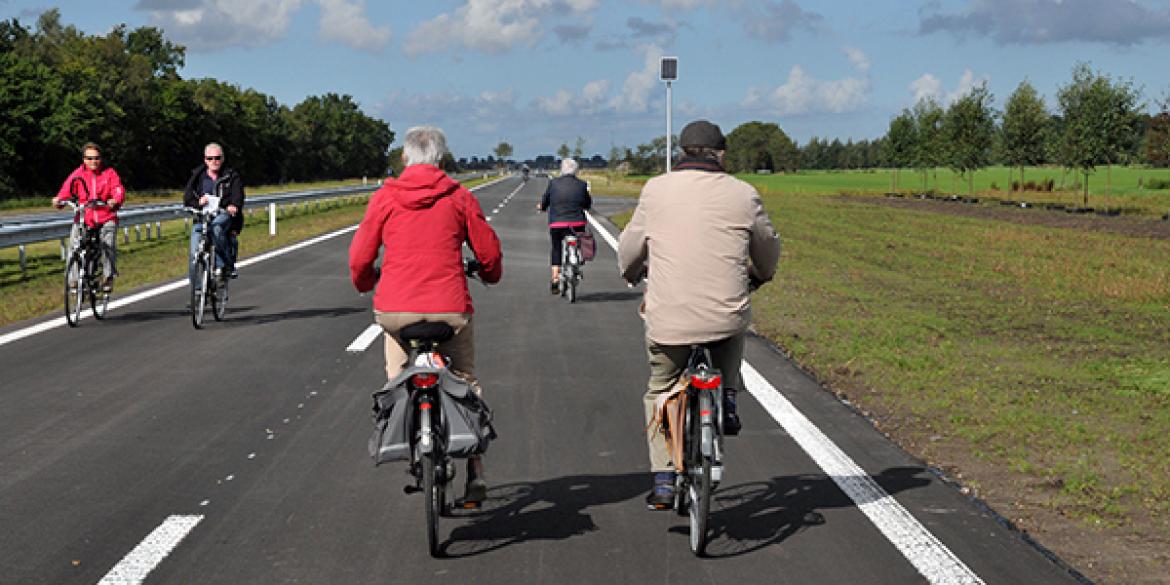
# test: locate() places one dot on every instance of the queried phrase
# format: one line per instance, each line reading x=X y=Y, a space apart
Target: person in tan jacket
x=708 y=242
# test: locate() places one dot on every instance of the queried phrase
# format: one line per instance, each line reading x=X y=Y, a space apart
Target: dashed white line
x=138 y=563
x=364 y=340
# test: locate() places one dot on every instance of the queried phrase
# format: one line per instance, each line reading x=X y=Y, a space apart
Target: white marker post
x=272 y=219
x=668 y=72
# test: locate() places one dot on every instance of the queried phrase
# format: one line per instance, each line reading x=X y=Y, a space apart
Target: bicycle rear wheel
x=432 y=490
x=199 y=292
x=219 y=300
x=572 y=282
x=99 y=299
x=699 y=469
x=74 y=290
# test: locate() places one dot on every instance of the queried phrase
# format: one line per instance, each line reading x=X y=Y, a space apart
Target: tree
x=1156 y=145
x=503 y=150
x=901 y=141
x=930 y=150
x=1025 y=128
x=969 y=128
x=563 y=151
x=1097 y=118
x=579 y=149
x=756 y=146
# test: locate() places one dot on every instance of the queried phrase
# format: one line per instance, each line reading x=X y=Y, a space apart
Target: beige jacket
x=697 y=231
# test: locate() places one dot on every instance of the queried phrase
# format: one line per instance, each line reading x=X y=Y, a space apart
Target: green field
x=1030 y=361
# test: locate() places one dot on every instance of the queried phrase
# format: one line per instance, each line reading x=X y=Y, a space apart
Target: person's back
x=566 y=199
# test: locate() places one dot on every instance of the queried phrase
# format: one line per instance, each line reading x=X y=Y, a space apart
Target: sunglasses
x=93 y=158
x=213 y=158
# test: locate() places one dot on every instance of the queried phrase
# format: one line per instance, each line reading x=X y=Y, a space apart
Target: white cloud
x=1118 y=22
x=589 y=100
x=346 y=23
x=491 y=26
x=803 y=94
x=859 y=59
x=217 y=24
x=929 y=86
x=635 y=94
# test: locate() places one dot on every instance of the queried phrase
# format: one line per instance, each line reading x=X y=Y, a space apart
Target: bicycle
x=204 y=284
x=702 y=467
x=84 y=273
x=431 y=465
x=571 y=267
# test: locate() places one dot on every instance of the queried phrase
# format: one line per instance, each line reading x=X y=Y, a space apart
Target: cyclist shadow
x=752 y=516
x=145 y=316
x=607 y=297
x=239 y=320
x=553 y=509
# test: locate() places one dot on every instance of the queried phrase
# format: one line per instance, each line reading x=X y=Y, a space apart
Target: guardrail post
x=272 y=219
x=148 y=231
x=125 y=235
x=363 y=180
x=21 y=247
x=158 y=229
x=64 y=252
x=187 y=226
x=138 y=233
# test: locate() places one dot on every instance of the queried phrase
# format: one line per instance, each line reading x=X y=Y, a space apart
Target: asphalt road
x=237 y=454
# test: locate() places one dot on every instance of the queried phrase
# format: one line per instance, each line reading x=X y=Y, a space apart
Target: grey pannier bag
x=468 y=419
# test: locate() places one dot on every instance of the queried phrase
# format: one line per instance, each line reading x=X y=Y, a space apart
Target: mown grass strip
x=1038 y=352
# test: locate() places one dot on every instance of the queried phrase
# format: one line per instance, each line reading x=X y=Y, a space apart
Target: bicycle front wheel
x=74 y=291
x=219 y=300
x=199 y=292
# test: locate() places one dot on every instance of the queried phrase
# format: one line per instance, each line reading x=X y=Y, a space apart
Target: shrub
x=994 y=186
x=1157 y=183
x=1049 y=184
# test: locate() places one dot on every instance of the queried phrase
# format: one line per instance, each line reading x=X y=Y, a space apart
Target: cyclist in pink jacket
x=95 y=182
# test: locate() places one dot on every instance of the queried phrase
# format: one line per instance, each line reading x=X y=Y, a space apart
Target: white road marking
x=924 y=551
x=364 y=340
x=135 y=566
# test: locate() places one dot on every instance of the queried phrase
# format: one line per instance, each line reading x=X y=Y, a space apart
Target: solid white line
x=135 y=566
x=930 y=556
x=924 y=551
x=363 y=341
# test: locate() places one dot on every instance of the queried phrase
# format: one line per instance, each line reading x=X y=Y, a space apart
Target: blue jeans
x=225 y=245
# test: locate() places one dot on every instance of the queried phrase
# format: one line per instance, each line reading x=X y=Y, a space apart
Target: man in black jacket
x=219 y=185
x=566 y=200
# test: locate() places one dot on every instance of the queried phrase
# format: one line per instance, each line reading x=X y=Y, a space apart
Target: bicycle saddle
x=427 y=331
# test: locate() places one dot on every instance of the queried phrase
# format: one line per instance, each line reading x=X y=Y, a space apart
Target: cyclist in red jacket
x=421 y=219
x=99 y=183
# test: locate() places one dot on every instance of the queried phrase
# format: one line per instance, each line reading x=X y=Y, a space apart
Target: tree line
x=61 y=88
x=1098 y=121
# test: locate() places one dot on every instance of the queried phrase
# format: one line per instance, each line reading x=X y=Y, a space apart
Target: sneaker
x=554 y=287
x=108 y=284
x=474 y=494
x=661 y=496
x=731 y=422
x=235 y=274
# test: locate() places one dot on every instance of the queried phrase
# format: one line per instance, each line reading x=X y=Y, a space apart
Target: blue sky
x=539 y=73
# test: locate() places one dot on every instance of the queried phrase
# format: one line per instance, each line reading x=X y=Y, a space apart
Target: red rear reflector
x=706 y=384
x=425 y=380
x=704 y=413
x=424 y=406
x=572 y=242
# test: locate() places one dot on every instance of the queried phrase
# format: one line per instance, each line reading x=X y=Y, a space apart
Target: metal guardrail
x=27 y=230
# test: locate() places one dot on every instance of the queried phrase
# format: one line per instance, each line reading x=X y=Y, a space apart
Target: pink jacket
x=105 y=185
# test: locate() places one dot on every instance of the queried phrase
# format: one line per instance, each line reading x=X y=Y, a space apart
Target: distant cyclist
x=524 y=171
x=100 y=183
x=420 y=221
x=707 y=240
x=566 y=200
x=214 y=183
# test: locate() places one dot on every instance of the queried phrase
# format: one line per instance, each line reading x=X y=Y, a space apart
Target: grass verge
x=38 y=290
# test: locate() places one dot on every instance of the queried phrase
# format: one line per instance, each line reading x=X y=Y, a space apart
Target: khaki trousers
x=460 y=348
x=667 y=363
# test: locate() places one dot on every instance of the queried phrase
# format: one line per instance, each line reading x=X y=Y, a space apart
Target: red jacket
x=422 y=219
x=105 y=185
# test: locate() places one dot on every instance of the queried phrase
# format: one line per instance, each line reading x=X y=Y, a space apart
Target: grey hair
x=569 y=166
x=222 y=152
x=424 y=145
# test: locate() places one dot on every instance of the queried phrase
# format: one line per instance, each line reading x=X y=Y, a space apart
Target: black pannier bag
x=468 y=418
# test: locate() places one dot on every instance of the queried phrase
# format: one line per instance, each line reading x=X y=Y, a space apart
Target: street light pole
x=668 y=72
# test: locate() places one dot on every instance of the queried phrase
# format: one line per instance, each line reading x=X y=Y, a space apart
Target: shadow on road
x=144 y=316
x=748 y=517
x=293 y=314
x=553 y=509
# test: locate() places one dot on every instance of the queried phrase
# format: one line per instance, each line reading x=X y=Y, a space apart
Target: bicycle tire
x=699 y=489
x=219 y=301
x=431 y=490
x=199 y=292
x=99 y=299
x=74 y=295
x=573 y=287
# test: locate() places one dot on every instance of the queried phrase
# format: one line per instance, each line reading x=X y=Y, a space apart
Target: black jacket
x=566 y=199
x=229 y=187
